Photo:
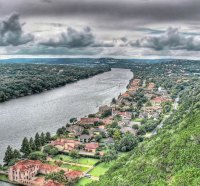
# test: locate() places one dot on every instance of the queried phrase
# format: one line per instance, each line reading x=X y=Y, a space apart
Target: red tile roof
x=89 y=120
x=73 y=174
x=26 y=164
x=161 y=99
x=91 y=145
x=53 y=183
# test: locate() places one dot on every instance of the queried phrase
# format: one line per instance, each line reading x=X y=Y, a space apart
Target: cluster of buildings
x=26 y=172
x=82 y=134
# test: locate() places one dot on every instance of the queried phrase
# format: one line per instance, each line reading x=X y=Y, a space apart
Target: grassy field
x=73 y=167
x=3 y=177
x=83 y=181
x=100 y=169
x=85 y=161
x=138 y=119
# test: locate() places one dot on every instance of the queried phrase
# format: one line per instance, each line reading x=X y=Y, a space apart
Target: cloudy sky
x=100 y=28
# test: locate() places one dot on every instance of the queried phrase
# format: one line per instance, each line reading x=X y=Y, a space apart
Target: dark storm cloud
x=152 y=10
x=172 y=39
x=11 y=32
x=72 y=38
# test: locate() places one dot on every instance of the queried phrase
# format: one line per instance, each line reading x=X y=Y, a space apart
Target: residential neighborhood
x=91 y=139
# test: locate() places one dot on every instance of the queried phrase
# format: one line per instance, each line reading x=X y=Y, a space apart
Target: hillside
x=169 y=158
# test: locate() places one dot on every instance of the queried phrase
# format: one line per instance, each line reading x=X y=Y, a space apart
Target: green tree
x=8 y=155
x=37 y=155
x=127 y=143
x=117 y=134
x=57 y=176
x=98 y=137
x=73 y=120
x=32 y=144
x=37 y=141
x=42 y=139
x=109 y=156
x=48 y=137
x=74 y=154
x=16 y=154
x=51 y=150
x=25 y=147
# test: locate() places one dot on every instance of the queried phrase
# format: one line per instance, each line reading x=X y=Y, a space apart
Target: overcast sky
x=100 y=28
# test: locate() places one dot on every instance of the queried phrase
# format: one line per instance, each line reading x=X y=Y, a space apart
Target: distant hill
x=81 y=61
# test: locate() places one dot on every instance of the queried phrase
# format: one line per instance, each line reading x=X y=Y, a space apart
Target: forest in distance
x=18 y=80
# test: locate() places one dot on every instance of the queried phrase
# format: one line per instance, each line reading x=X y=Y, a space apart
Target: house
x=91 y=147
x=107 y=121
x=125 y=115
x=88 y=121
x=151 y=86
x=109 y=141
x=157 y=101
x=24 y=172
x=85 y=138
x=71 y=145
x=75 y=130
x=151 y=112
x=128 y=129
x=38 y=181
x=126 y=94
x=66 y=144
x=104 y=108
x=73 y=175
x=52 y=183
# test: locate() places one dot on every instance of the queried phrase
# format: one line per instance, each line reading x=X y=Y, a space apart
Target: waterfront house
x=104 y=108
x=75 y=130
x=88 y=121
x=24 y=171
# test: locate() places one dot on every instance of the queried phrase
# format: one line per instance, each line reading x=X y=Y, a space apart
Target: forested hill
x=171 y=157
x=17 y=80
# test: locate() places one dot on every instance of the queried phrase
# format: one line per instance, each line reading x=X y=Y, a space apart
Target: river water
x=48 y=111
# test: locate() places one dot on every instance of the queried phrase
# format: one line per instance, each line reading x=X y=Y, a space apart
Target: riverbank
x=19 y=80
x=117 y=122
x=52 y=109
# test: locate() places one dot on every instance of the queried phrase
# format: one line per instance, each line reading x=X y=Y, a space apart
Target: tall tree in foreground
x=25 y=148
x=8 y=155
x=32 y=144
x=42 y=139
x=37 y=141
x=48 y=137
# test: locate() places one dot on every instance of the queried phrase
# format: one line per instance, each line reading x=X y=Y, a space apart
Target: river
x=48 y=111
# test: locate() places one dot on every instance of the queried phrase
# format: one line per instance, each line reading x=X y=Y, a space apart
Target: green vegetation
x=74 y=167
x=169 y=158
x=83 y=181
x=19 y=80
x=100 y=169
x=57 y=176
x=3 y=178
x=84 y=161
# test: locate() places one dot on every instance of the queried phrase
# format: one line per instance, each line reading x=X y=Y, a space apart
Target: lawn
x=138 y=119
x=85 y=161
x=100 y=169
x=3 y=177
x=83 y=181
x=73 y=167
